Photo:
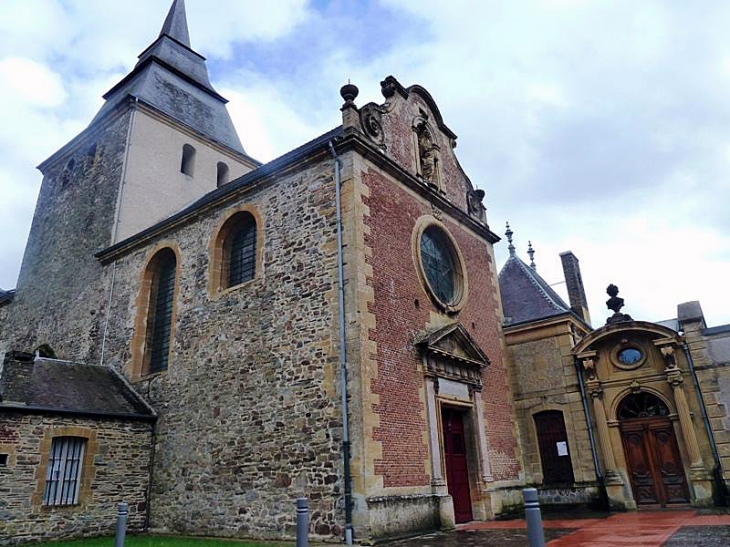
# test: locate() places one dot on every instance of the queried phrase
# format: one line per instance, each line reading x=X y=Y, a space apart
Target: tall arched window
x=239 y=250
x=159 y=313
x=221 y=173
x=187 y=163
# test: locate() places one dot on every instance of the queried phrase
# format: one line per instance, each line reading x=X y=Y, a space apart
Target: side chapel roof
x=526 y=296
x=51 y=385
x=173 y=79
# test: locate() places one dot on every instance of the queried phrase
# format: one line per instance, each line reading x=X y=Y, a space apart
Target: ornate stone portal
x=453 y=366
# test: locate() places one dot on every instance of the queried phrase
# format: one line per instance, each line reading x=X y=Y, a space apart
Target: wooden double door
x=653 y=460
x=457 y=470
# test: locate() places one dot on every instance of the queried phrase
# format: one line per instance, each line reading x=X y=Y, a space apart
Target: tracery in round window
x=441 y=266
x=641 y=405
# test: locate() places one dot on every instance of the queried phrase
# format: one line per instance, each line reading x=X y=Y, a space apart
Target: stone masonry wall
x=61 y=294
x=249 y=414
x=116 y=468
x=402 y=310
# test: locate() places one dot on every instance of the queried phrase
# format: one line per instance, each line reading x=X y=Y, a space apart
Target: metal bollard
x=122 y=512
x=302 y=522
x=533 y=518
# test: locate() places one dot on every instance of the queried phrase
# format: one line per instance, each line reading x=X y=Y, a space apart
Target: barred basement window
x=239 y=250
x=159 y=315
x=63 y=476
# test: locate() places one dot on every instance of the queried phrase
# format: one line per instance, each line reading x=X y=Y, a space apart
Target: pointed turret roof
x=176 y=24
x=526 y=296
x=173 y=79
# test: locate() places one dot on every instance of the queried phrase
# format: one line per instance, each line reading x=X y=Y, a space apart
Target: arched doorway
x=652 y=454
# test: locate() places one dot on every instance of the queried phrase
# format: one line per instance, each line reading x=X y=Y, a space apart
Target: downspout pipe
x=720 y=483
x=589 y=422
x=343 y=349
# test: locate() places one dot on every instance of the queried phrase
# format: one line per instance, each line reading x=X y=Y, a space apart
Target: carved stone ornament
x=675 y=379
x=372 y=123
x=596 y=392
x=635 y=387
x=615 y=303
x=589 y=366
x=669 y=358
x=427 y=152
x=387 y=88
x=437 y=213
x=474 y=200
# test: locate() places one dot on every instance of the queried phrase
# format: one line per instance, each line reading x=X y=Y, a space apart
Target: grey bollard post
x=533 y=518
x=302 y=522
x=122 y=512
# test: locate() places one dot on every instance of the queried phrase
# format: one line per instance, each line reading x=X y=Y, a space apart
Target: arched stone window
x=187 y=163
x=161 y=276
x=235 y=251
x=222 y=173
x=552 y=441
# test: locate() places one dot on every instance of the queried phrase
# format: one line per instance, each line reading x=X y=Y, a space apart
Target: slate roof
x=59 y=386
x=173 y=79
x=526 y=296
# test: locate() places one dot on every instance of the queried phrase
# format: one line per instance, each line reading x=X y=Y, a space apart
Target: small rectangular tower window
x=187 y=164
x=4 y=460
x=222 y=173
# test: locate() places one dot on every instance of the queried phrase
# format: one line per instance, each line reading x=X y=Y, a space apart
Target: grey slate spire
x=176 y=24
x=173 y=79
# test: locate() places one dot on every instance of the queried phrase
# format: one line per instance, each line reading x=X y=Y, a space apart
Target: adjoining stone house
x=72 y=439
x=630 y=414
x=362 y=367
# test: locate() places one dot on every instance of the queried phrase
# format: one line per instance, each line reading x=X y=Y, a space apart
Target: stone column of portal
x=685 y=419
x=596 y=393
x=486 y=465
x=438 y=484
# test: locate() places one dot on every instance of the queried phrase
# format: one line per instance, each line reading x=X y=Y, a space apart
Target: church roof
x=50 y=385
x=526 y=296
x=173 y=79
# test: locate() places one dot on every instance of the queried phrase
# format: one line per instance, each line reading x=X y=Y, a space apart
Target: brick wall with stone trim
x=115 y=468
x=249 y=414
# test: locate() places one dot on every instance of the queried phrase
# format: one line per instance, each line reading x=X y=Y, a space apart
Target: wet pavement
x=686 y=528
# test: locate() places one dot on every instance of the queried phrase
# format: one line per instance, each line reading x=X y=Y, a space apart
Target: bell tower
x=162 y=140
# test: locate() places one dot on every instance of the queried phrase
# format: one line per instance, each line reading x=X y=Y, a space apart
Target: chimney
x=574 y=282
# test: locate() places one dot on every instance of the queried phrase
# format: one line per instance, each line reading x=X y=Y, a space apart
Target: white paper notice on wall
x=562 y=448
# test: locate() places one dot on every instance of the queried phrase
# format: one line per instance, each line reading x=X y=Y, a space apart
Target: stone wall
x=73 y=219
x=249 y=414
x=544 y=378
x=115 y=468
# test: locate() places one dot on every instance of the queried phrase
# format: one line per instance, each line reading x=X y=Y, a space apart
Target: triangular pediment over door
x=451 y=353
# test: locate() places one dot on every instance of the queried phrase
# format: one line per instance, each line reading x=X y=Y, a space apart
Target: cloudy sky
x=601 y=127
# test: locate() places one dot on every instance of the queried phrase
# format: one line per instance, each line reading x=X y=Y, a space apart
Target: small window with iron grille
x=63 y=476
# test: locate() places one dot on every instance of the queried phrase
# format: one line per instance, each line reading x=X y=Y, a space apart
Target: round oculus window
x=629 y=356
x=441 y=266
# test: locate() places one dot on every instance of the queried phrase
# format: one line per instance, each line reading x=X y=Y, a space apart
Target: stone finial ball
x=612 y=290
x=349 y=92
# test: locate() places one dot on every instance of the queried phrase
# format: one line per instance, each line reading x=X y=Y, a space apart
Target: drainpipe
x=343 y=351
x=115 y=233
x=589 y=423
x=717 y=472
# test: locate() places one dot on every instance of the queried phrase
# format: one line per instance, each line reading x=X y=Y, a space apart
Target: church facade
x=326 y=325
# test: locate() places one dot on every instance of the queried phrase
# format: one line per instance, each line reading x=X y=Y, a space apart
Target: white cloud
x=600 y=127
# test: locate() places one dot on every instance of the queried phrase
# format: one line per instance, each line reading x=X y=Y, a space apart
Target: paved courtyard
x=645 y=529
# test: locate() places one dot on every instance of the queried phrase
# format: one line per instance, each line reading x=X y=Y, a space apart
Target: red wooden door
x=457 y=472
x=654 y=463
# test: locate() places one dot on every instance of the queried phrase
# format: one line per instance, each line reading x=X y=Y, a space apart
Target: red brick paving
x=645 y=529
